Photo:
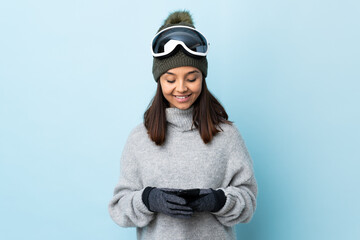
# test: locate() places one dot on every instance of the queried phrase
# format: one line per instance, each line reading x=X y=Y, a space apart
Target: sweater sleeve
x=126 y=207
x=240 y=184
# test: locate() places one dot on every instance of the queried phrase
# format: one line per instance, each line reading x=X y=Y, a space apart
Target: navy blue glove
x=209 y=200
x=157 y=200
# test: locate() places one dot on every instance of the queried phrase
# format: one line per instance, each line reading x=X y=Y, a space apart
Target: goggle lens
x=192 y=39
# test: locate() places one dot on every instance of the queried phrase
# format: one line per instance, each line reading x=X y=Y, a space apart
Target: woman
x=185 y=171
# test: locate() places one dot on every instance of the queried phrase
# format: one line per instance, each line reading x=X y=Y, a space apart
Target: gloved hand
x=209 y=200
x=157 y=200
x=188 y=194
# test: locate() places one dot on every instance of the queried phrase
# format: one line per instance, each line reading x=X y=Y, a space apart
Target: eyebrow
x=195 y=71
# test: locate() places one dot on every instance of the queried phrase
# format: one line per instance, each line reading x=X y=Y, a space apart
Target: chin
x=182 y=106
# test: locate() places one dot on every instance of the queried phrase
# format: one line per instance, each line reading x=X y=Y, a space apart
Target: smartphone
x=188 y=194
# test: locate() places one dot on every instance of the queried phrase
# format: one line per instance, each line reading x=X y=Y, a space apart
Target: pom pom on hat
x=179 y=17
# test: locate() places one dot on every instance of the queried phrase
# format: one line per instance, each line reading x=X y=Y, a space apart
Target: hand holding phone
x=189 y=195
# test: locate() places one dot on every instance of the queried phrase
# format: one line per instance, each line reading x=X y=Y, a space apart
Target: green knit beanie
x=179 y=59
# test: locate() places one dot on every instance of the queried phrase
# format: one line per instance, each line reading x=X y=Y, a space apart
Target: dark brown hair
x=207 y=115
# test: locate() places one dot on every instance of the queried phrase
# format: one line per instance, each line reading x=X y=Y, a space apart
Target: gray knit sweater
x=184 y=162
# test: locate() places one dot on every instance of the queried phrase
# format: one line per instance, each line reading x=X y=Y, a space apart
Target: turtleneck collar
x=180 y=119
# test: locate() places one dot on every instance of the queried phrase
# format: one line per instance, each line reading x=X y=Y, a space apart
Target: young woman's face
x=181 y=86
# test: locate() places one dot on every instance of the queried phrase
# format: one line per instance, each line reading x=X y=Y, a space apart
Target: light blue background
x=75 y=78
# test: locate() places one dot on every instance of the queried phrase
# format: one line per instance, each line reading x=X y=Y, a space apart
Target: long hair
x=207 y=115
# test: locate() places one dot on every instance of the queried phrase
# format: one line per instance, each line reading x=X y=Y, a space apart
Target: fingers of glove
x=175 y=207
x=204 y=192
x=195 y=204
x=174 y=199
x=203 y=198
x=203 y=204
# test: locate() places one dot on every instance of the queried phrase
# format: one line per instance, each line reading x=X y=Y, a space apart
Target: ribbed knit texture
x=180 y=119
x=184 y=162
x=180 y=59
x=170 y=25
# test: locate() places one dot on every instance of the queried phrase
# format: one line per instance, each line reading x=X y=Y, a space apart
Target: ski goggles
x=165 y=41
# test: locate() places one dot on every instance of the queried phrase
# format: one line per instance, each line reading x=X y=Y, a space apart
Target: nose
x=181 y=86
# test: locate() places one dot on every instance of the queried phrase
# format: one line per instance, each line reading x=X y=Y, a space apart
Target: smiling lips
x=182 y=98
